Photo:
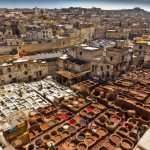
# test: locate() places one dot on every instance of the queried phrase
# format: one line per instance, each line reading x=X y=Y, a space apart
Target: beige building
x=114 y=61
x=142 y=51
x=13 y=42
x=79 y=58
x=44 y=34
x=114 y=34
x=77 y=37
x=22 y=70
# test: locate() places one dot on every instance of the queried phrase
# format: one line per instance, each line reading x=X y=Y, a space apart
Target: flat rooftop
x=90 y=48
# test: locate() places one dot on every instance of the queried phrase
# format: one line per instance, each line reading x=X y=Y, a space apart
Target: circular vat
x=72 y=129
x=53 y=133
x=82 y=146
x=127 y=144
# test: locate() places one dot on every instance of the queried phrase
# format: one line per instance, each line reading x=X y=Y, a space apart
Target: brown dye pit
x=111 y=111
x=57 y=138
x=82 y=146
x=123 y=130
x=96 y=111
x=31 y=134
x=127 y=144
x=40 y=121
x=103 y=148
x=60 y=129
x=114 y=119
x=133 y=135
x=95 y=136
x=73 y=144
x=44 y=126
x=57 y=119
x=81 y=137
x=65 y=134
x=31 y=147
x=81 y=105
x=71 y=129
x=51 y=123
x=83 y=112
x=89 y=141
x=101 y=132
x=116 y=139
x=109 y=146
x=37 y=116
x=82 y=123
x=90 y=114
x=132 y=121
x=78 y=126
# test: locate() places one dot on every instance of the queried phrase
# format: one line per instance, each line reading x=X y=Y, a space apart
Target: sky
x=104 y=4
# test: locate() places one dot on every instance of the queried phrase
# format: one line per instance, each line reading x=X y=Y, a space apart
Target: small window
x=26 y=73
x=140 y=47
x=19 y=66
x=122 y=58
x=63 y=43
x=10 y=43
x=81 y=53
x=107 y=66
x=8 y=69
x=102 y=68
x=40 y=73
x=25 y=65
x=43 y=32
x=92 y=68
x=111 y=58
x=10 y=76
x=107 y=74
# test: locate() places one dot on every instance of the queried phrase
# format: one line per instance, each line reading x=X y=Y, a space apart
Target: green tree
x=14 y=51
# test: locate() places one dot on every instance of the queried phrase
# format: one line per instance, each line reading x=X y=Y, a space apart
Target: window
x=102 y=68
x=19 y=66
x=140 y=47
x=26 y=73
x=46 y=32
x=43 y=32
x=81 y=53
x=10 y=76
x=92 y=68
x=107 y=66
x=122 y=58
x=107 y=74
x=10 y=43
x=25 y=65
x=63 y=43
x=8 y=69
x=40 y=73
x=111 y=58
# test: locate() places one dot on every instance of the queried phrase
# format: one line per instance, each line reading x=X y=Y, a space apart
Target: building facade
x=22 y=70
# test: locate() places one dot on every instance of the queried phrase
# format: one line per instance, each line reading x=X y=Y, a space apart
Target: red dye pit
x=72 y=121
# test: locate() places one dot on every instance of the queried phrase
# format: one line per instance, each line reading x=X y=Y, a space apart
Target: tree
x=14 y=51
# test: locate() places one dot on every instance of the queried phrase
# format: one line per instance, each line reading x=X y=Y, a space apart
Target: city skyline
x=104 y=4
